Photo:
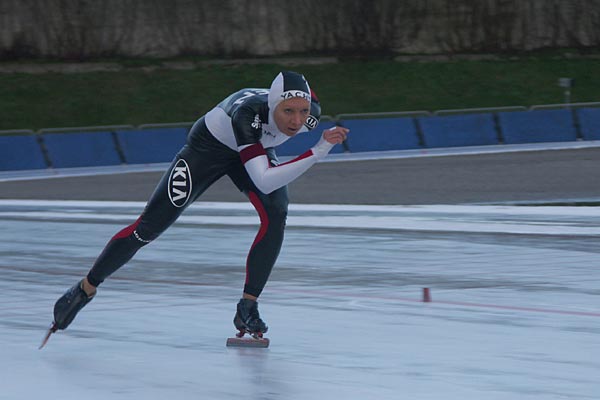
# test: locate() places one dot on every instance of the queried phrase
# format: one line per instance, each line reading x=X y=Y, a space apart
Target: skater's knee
x=277 y=208
x=138 y=232
x=278 y=212
x=144 y=236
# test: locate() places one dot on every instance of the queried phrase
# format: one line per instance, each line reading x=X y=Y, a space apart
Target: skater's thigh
x=188 y=176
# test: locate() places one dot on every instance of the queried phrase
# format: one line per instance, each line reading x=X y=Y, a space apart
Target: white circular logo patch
x=180 y=184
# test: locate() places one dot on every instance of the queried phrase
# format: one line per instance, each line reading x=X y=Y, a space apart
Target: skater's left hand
x=336 y=135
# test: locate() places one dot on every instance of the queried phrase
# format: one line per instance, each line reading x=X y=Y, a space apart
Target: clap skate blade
x=256 y=339
x=51 y=330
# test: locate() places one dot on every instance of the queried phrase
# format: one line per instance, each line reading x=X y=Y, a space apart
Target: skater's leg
x=272 y=209
x=158 y=215
x=190 y=174
x=162 y=210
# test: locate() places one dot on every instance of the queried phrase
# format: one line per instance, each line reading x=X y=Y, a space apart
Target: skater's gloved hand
x=330 y=137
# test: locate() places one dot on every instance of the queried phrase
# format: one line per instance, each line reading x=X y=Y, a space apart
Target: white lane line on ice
x=476 y=219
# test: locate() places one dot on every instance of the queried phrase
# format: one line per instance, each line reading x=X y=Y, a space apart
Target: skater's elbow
x=265 y=187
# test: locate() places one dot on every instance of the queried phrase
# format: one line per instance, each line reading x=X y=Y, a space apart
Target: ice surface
x=515 y=311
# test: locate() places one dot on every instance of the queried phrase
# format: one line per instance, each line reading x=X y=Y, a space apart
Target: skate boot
x=67 y=307
x=247 y=319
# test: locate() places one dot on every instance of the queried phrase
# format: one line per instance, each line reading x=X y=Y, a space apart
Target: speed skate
x=254 y=340
x=247 y=320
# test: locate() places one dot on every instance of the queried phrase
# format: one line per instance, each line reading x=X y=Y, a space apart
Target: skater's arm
x=268 y=178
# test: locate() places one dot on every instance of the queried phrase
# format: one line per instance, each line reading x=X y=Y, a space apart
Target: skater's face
x=291 y=114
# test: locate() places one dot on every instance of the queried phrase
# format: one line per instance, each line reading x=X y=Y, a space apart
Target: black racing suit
x=206 y=157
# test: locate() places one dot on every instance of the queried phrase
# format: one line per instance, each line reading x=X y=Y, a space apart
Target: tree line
x=83 y=29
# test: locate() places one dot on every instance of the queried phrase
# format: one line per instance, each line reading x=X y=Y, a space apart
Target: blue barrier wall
x=144 y=146
x=151 y=145
x=381 y=134
x=304 y=141
x=537 y=126
x=589 y=123
x=81 y=149
x=20 y=152
x=459 y=130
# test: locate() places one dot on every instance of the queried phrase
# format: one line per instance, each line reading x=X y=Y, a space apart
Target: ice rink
x=515 y=311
